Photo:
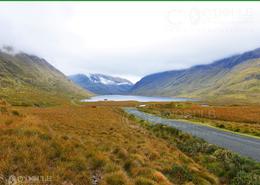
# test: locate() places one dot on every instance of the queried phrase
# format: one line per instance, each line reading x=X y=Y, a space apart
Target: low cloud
x=130 y=39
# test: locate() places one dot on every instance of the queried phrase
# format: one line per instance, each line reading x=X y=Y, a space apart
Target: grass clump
x=98 y=161
x=115 y=178
x=144 y=181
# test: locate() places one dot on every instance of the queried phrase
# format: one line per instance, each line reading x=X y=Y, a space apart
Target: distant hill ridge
x=30 y=80
x=102 y=84
x=235 y=77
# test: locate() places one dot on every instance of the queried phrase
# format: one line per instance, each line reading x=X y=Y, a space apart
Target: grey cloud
x=129 y=39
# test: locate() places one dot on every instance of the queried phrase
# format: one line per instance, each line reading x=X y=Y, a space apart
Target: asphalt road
x=243 y=145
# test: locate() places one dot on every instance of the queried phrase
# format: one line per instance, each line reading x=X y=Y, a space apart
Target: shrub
x=244 y=178
x=15 y=113
x=78 y=165
x=221 y=126
x=3 y=110
x=180 y=173
x=45 y=137
x=65 y=137
x=55 y=151
x=165 y=113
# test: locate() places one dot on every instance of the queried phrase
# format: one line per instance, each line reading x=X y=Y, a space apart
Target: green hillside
x=30 y=80
x=234 y=79
x=241 y=83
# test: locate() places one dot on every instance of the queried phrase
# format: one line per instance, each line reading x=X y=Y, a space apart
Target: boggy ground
x=242 y=118
x=90 y=144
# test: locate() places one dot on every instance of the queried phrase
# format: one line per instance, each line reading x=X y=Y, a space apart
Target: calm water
x=133 y=98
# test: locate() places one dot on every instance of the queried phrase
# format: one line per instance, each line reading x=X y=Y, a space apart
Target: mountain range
x=30 y=80
x=102 y=84
x=236 y=77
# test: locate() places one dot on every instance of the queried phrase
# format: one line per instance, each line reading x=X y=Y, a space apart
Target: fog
x=129 y=39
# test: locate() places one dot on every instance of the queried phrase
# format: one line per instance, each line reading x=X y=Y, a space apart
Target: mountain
x=236 y=77
x=102 y=84
x=29 y=80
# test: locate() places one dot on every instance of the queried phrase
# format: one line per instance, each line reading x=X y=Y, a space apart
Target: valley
x=98 y=142
x=50 y=126
x=129 y=93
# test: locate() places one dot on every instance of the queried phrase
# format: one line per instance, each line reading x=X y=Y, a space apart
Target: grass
x=89 y=143
x=229 y=167
x=97 y=143
x=243 y=119
x=27 y=80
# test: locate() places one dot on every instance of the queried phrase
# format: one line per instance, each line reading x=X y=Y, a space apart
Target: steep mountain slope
x=235 y=77
x=30 y=80
x=102 y=84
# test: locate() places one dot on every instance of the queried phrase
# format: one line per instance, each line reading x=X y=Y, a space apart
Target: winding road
x=244 y=145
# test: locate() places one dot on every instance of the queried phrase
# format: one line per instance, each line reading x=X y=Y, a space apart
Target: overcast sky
x=130 y=39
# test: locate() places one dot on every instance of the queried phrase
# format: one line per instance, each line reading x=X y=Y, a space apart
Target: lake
x=134 y=98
